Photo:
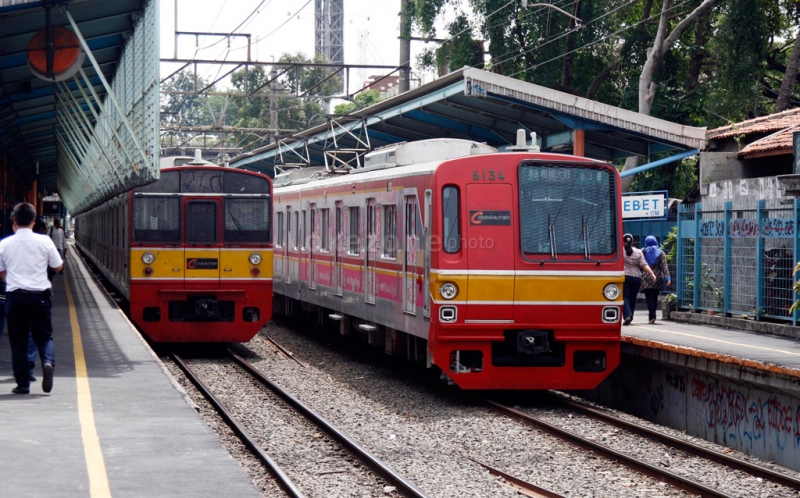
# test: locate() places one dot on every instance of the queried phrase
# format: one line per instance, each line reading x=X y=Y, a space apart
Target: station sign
x=644 y=205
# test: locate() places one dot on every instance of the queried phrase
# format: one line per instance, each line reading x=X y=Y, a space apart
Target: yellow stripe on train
x=171 y=263
x=531 y=288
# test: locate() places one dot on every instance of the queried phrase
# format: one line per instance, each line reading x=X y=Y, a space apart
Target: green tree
x=362 y=100
x=180 y=105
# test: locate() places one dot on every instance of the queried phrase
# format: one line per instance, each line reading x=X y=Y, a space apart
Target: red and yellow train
x=502 y=269
x=191 y=252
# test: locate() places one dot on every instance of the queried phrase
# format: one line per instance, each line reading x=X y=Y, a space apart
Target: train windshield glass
x=566 y=210
x=247 y=221
x=157 y=219
x=201 y=181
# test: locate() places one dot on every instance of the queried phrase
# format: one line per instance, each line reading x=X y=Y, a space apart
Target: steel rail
x=284 y=351
x=404 y=486
x=523 y=487
x=687 y=446
x=679 y=482
x=284 y=480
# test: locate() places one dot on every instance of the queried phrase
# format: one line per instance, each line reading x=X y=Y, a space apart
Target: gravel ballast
x=427 y=432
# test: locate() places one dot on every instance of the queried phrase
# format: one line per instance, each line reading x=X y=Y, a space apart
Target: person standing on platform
x=57 y=235
x=657 y=261
x=24 y=259
x=635 y=265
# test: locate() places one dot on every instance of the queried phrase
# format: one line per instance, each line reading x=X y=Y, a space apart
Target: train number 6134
x=481 y=175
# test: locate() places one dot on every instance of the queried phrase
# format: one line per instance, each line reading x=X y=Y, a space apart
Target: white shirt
x=25 y=257
x=57 y=235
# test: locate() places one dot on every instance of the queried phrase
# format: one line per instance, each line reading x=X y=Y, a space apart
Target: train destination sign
x=648 y=205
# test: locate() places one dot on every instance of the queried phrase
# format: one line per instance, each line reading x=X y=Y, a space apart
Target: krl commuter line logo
x=490 y=217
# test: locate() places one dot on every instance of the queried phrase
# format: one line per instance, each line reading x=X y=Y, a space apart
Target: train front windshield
x=567 y=210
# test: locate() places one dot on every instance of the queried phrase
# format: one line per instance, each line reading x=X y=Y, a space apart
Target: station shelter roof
x=478 y=105
x=60 y=133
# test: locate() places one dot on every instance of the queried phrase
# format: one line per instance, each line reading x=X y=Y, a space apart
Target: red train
x=191 y=252
x=503 y=270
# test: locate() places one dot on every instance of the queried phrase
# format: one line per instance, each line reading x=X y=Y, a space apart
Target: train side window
x=354 y=242
x=296 y=237
x=325 y=235
x=451 y=219
x=304 y=229
x=157 y=219
x=389 y=239
x=279 y=238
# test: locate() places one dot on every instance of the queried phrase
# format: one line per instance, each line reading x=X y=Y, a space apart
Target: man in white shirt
x=24 y=259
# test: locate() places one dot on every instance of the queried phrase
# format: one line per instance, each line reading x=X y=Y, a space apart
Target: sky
x=371 y=28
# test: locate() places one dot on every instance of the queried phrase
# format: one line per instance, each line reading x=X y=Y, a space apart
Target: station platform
x=736 y=353
x=115 y=423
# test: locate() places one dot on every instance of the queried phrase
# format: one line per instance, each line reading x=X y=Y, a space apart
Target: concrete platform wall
x=755 y=418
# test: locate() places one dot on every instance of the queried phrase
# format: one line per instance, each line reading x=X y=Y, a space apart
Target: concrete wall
x=747 y=416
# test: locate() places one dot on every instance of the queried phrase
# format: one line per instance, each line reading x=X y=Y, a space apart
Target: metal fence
x=738 y=258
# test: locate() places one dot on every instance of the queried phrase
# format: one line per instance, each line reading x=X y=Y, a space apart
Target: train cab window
x=325 y=240
x=451 y=220
x=389 y=236
x=567 y=210
x=354 y=242
x=247 y=221
x=169 y=183
x=201 y=181
x=157 y=219
x=235 y=182
x=279 y=223
x=201 y=222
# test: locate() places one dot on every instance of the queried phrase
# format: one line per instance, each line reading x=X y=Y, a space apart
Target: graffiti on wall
x=742 y=228
x=749 y=420
x=712 y=228
x=777 y=228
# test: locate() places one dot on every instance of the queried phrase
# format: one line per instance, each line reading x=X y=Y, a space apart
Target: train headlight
x=255 y=258
x=611 y=292
x=448 y=290
x=148 y=258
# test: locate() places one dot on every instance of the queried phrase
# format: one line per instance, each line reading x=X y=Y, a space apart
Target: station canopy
x=478 y=105
x=90 y=132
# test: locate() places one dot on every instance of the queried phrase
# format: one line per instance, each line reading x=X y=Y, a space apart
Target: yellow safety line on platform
x=95 y=465
x=720 y=340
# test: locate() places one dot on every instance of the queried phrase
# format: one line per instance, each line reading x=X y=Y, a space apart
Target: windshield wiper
x=552 y=232
x=585 y=230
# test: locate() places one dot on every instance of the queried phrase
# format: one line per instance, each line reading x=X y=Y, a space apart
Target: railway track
x=294 y=489
x=686 y=446
x=675 y=480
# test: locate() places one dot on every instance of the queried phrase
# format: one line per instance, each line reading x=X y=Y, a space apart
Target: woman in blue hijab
x=651 y=287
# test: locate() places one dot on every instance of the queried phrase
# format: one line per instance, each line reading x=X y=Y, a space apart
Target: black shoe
x=47 y=381
x=32 y=378
x=627 y=320
x=21 y=390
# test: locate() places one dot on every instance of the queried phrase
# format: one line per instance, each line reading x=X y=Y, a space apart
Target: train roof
x=401 y=171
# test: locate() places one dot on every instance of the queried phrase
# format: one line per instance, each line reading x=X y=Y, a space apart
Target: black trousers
x=651 y=295
x=29 y=314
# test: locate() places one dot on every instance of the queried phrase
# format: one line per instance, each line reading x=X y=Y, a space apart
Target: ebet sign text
x=643 y=206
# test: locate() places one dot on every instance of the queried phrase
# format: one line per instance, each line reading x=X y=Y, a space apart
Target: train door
x=426 y=231
x=294 y=262
x=287 y=279
x=490 y=243
x=312 y=246
x=202 y=243
x=371 y=252
x=410 y=245
x=339 y=247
